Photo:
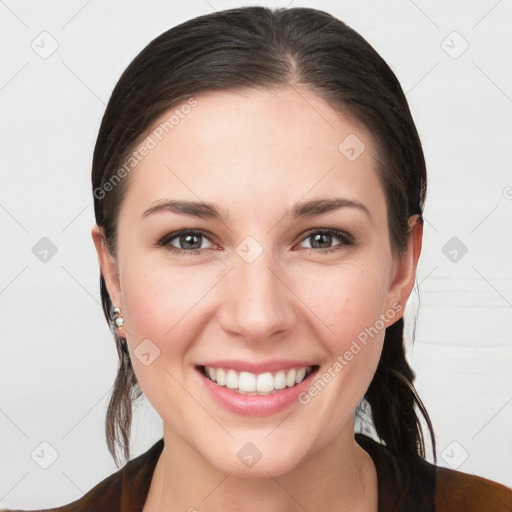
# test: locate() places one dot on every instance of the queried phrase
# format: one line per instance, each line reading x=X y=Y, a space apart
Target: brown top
x=403 y=486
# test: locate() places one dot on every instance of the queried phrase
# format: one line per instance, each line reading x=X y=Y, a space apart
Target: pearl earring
x=116 y=317
x=118 y=320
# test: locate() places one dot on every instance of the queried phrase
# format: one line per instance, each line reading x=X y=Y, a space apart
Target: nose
x=258 y=303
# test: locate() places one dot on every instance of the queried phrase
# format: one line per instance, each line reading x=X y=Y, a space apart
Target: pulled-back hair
x=257 y=47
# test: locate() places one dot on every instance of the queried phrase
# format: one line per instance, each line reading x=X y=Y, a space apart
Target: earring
x=115 y=315
x=118 y=320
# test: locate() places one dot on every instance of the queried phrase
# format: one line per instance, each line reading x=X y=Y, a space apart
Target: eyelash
x=345 y=238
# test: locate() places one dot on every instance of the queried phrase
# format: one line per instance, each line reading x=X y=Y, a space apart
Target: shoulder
x=103 y=497
x=416 y=484
x=469 y=493
x=126 y=489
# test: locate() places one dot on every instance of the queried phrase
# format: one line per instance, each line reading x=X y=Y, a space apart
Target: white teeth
x=280 y=380
x=231 y=379
x=290 y=378
x=264 y=383
x=221 y=377
x=248 y=383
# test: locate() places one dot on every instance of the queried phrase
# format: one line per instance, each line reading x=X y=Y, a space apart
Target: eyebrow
x=205 y=210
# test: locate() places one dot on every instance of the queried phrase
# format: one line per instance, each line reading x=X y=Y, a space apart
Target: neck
x=340 y=477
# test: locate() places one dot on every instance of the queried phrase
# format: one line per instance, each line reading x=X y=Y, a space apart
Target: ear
x=108 y=266
x=403 y=274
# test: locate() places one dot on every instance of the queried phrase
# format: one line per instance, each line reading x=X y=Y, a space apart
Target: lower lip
x=254 y=405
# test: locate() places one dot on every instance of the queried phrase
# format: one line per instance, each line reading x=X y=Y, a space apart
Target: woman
x=259 y=185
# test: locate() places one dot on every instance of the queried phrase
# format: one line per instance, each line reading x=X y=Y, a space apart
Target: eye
x=186 y=242
x=321 y=240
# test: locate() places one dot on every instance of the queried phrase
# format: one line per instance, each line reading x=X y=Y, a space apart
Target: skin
x=255 y=154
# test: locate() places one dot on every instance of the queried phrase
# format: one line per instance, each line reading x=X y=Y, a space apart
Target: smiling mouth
x=247 y=383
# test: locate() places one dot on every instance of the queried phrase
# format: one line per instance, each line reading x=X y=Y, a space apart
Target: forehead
x=244 y=149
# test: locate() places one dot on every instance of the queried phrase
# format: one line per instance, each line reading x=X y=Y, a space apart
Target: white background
x=58 y=360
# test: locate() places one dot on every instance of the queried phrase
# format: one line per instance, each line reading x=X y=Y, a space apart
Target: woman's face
x=274 y=276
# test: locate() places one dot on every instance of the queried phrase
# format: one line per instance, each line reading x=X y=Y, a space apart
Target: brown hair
x=257 y=47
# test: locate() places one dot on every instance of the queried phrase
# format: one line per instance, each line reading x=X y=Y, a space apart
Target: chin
x=248 y=459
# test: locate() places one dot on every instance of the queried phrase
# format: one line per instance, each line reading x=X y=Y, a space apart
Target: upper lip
x=256 y=368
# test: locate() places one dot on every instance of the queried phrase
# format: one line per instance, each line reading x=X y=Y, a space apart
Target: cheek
x=348 y=299
x=159 y=309
x=164 y=310
x=159 y=301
